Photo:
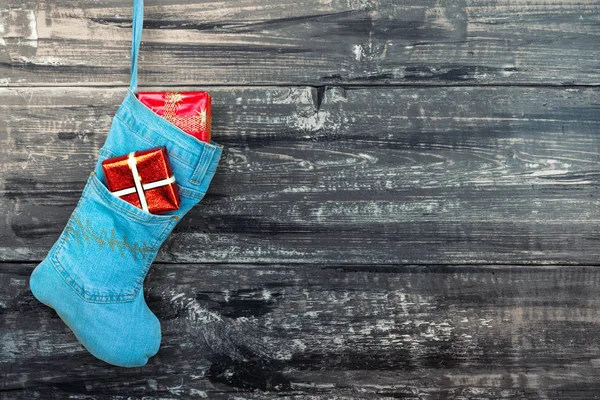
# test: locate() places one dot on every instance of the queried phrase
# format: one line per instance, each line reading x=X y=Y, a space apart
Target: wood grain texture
x=326 y=332
x=312 y=42
x=406 y=207
x=398 y=175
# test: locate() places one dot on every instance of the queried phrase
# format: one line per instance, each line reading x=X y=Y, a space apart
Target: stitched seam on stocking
x=155 y=246
x=205 y=159
x=92 y=297
x=159 y=241
x=188 y=192
x=149 y=142
x=110 y=203
x=213 y=145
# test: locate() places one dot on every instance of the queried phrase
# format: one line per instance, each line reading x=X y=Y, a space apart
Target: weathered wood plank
x=315 y=42
x=260 y=332
x=430 y=175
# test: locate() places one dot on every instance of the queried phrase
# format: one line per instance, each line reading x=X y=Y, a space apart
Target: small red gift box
x=144 y=179
x=190 y=111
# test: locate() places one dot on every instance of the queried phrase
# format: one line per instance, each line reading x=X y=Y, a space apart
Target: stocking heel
x=40 y=283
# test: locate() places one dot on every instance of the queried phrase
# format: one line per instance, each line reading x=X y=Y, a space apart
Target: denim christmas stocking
x=93 y=275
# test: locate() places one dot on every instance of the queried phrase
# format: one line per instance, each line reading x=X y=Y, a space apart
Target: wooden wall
x=406 y=206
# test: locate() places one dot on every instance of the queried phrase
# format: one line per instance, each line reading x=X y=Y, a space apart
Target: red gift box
x=190 y=111
x=144 y=179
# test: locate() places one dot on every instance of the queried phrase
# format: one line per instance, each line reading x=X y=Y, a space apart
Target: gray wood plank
x=331 y=332
x=315 y=42
x=397 y=175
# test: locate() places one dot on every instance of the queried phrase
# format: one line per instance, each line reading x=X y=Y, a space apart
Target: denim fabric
x=93 y=275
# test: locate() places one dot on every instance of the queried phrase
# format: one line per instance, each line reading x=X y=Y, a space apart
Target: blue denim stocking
x=93 y=275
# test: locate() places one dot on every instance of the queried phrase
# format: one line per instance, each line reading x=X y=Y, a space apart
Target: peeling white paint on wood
x=468 y=331
x=316 y=42
x=393 y=187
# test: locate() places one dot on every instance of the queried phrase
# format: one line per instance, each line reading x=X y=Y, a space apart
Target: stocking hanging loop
x=136 y=28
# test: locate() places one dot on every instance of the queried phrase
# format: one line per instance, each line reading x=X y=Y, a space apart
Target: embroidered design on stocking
x=85 y=234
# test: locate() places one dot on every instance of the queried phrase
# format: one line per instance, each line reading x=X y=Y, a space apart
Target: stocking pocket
x=108 y=244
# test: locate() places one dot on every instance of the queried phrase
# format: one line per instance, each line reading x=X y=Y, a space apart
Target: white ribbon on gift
x=139 y=186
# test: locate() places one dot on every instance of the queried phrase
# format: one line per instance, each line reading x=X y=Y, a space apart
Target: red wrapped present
x=144 y=179
x=190 y=111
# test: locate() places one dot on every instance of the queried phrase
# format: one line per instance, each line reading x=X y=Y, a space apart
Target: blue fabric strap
x=136 y=28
